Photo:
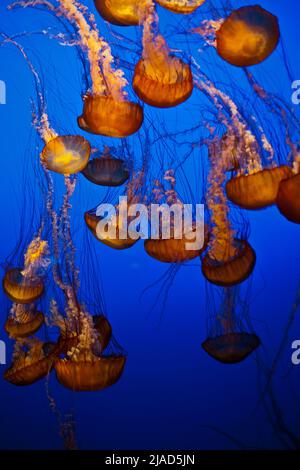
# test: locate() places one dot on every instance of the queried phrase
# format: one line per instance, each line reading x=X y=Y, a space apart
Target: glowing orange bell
x=248 y=36
x=20 y=289
x=102 y=115
x=120 y=13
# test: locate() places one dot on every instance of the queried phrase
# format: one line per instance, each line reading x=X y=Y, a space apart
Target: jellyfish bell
x=66 y=154
x=288 y=198
x=22 y=289
x=248 y=36
x=119 y=13
x=31 y=365
x=231 y=348
x=87 y=374
x=118 y=242
x=106 y=171
x=103 y=115
x=174 y=250
x=257 y=190
x=164 y=84
x=181 y=6
x=231 y=271
x=27 y=322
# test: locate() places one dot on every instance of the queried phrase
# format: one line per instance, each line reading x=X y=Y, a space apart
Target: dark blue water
x=172 y=395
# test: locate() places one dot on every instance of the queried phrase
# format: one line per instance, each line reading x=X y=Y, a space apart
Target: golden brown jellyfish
x=32 y=361
x=172 y=250
x=68 y=154
x=106 y=171
x=229 y=260
x=248 y=36
x=119 y=242
x=84 y=368
x=106 y=107
x=23 y=321
x=160 y=79
x=104 y=115
x=181 y=6
x=231 y=348
x=107 y=110
x=257 y=190
x=230 y=270
x=228 y=340
x=288 y=198
x=120 y=13
x=21 y=289
x=24 y=286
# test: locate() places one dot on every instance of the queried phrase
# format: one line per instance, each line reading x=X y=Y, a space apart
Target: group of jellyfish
x=245 y=172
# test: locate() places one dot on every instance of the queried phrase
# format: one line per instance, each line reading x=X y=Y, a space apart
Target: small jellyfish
x=248 y=36
x=233 y=269
x=257 y=190
x=106 y=171
x=124 y=13
x=68 y=154
x=32 y=361
x=22 y=289
x=231 y=348
x=120 y=240
x=23 y=321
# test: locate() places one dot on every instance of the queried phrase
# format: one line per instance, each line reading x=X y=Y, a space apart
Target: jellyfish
x=82 y=365
x=229 y=260
x=160 y=79
x=123 y=13
x=106 y=170
x=24 y=320
x=248 y=36
x=32 y=361
x=26 y=285
x=173 y=247
x=229 y=340
x=67 y=154
x=106 y=108
x=288 y=196
x=181 y=6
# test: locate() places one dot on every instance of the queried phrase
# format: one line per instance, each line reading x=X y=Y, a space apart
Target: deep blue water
x=172 y=395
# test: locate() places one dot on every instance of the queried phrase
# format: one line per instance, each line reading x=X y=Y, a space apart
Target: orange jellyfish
x=248 y=36
x=84 y=367
x=21 y=289
x=66 y=154
x=181 y=6
x=106 y=171
x=32 y=361
x=106 y=108
x=124 y=13
x=24 y=286
x=173 y=247
x=160 y=79
x=257 y=190
x=288 y=198
x=228 y=340
x=23 y=321
x=62 y=154
x=120 y=241
x=229 y=260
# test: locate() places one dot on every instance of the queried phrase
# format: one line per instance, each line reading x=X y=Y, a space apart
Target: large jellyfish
x=107 y=110
x=125 y=13
x=248 y=36
x=181 y=6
